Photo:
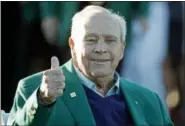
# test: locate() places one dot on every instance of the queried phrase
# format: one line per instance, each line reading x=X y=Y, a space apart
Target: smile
x=100 y=60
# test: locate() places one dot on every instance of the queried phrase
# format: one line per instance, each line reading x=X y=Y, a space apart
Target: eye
x=109 y=41
x=91 y=40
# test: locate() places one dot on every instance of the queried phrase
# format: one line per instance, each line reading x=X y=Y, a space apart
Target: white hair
x=79 y=17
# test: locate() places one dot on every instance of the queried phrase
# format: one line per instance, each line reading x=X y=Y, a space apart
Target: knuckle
x=63 y=78
x=59 y=92
x=63 y=84
x=61 y=87
x=51 y=93
x=46 y=72
x=45 y=80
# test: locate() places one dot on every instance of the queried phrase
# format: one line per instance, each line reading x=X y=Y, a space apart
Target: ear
x=73 y=54
x=123 y=44
x=71 y=43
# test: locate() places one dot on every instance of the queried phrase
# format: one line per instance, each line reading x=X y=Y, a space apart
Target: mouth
x=100 y=60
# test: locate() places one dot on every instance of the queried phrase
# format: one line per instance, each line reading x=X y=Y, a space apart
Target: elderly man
x=86 y=90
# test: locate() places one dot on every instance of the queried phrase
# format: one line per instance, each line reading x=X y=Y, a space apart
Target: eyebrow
x=91 y=35
x=107 y=36
x=110 y=37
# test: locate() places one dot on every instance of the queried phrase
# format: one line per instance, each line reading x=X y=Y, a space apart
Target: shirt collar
x=90 y=84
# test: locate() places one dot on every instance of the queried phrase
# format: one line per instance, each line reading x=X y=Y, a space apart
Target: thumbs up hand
x=53 y=83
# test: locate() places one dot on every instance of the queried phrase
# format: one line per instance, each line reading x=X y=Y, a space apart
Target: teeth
x=99 y=62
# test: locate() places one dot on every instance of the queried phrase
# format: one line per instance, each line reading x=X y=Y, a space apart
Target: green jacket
x=145 y=106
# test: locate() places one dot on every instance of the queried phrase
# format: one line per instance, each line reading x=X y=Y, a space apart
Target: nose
x=100 y=47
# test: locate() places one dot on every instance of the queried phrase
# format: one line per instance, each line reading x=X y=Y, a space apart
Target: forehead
x=102 y=25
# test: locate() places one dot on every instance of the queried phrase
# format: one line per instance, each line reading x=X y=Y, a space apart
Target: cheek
x=83 y=53
x=116 y=55
x=119 y=52
x=87 y=50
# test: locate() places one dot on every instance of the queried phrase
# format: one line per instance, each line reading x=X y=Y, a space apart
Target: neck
x=103 y=84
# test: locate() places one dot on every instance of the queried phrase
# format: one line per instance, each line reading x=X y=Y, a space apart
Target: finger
x=57 y=85
x=55 y=92
x=56 y=81
x=50 y=72
x=54 y=89
x=54 y=63
x=57 y=72
x=56 y=78
x=46 y=73
x=60 y=92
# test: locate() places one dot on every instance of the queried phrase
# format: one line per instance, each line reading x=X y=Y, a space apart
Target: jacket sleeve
x=26 y=110
x=166 y=118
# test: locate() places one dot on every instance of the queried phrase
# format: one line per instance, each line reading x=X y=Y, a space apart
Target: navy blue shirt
x=108 y=111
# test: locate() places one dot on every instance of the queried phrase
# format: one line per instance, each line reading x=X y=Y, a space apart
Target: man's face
x=98 y=48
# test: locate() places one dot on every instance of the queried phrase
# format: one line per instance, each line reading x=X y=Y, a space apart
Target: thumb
x=54 y=63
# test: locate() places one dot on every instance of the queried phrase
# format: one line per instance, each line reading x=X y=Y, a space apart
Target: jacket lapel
x=135 y=105
x=75 y=97
x=77 y=102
